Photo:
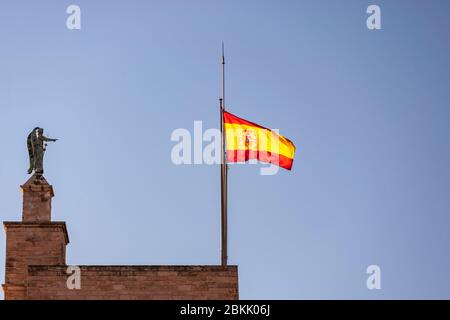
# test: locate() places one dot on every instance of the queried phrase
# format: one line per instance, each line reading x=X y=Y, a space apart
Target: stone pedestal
x=35 y=240
x=37 y=199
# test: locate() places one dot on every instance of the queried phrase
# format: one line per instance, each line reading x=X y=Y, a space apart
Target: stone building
x=36 y=264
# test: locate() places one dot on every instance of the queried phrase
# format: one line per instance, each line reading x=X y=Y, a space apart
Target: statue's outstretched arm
x=44 y=138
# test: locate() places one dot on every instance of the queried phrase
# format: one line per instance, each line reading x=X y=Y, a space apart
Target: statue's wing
x=30 y=146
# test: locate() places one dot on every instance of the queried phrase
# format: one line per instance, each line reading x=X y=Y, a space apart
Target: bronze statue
x=37 y=143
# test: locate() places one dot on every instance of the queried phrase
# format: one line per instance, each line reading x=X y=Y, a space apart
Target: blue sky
x=367 y=110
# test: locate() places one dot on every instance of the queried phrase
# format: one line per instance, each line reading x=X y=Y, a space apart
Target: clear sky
x=368 y=111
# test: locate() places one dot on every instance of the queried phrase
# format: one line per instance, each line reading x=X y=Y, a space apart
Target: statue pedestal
x=37 y=199
x=35 y=240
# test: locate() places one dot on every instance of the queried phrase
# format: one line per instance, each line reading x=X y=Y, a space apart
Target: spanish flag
x=246 y=140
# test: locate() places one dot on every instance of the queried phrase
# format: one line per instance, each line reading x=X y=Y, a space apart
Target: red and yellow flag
x=246 y=140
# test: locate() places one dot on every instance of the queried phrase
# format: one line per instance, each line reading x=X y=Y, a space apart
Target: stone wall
x=135 y=282
x=36 y=264
x=31 y=243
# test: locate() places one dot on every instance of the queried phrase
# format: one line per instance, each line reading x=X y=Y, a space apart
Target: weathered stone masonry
x=36 y=264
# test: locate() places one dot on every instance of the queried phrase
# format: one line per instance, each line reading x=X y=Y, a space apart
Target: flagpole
x=223 y=173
